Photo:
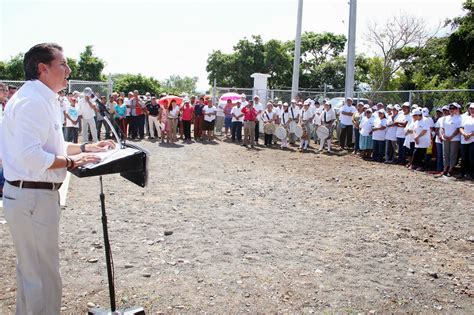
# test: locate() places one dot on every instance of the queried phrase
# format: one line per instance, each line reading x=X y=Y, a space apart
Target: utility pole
x=296 y=61
x=350 y=61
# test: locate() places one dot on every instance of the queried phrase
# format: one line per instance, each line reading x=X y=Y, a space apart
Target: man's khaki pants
x=33 y=218
x=249 y=132
x=152 y=124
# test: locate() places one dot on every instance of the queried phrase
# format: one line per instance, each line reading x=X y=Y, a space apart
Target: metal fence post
x=410 y=96
x=111 y=85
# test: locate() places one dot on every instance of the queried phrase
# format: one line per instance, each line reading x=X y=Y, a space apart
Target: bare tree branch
x=399 y=32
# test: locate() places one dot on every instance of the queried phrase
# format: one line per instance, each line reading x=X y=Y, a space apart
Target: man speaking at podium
x=35 y=160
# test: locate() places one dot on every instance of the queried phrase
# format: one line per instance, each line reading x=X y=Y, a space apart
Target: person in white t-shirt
x=220 y=117
x=209 y=111
x=316 y=120
x=365 y=138
x=422 y=137
x=378 y=136
x=259 y=108
x=284 y=122
x=72 y=117
x=391 y=133
x=440 y=113
x=328 y=119
x=467 y=143
x=237 y=120
x=402 y=120
x=87 y=109
x=294 y=119
x=268 y=117
x=451 y=138
x=345 y=120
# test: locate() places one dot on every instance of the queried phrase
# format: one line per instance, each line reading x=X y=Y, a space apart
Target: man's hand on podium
x=83 y=159
x=100 y=146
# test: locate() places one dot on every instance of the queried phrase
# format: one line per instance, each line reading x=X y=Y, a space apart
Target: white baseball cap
x=416 y=111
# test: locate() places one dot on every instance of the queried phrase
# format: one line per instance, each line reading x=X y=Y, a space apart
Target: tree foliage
x=397 y=34
x=130 y=82
x=178 y=85
x=89 y=66
x=275 y=58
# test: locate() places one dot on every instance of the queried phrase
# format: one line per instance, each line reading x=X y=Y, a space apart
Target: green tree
x=220 y=68
x=276 y=58
x=72 y=63
x=13 y=68
x=177 y=85
x=90 y=67
x=461 y=42
x=130 y=82
x=278 y=63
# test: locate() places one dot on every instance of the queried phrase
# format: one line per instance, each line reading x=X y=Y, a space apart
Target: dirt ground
x=266 y=231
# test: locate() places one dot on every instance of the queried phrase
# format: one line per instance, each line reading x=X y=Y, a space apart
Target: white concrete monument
x=260 y=82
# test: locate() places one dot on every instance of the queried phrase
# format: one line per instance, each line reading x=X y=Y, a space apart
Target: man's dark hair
x=12 y=87
x=41 y=53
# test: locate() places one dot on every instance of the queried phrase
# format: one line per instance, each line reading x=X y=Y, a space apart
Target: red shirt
x=249 y=113
x=187 y=112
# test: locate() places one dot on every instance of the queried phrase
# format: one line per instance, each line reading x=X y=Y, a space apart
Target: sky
x=159 y=38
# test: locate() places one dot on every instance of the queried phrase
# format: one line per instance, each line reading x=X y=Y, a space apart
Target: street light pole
x=350 y=61
x=296 y=61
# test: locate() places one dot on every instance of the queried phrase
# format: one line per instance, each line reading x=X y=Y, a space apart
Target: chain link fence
x=99 y=88
x=9 y=83
x=425 y=98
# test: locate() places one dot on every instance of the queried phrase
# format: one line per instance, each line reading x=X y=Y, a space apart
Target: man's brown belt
x=35 y=185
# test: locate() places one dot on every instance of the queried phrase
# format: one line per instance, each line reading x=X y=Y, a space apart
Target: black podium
x=131 y=162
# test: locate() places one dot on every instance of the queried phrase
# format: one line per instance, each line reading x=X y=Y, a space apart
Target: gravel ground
x=266 y=231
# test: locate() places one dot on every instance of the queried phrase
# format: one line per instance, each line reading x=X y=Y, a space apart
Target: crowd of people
x=394 y=134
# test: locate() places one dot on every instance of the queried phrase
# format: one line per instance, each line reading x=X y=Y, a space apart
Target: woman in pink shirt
x=186 y=117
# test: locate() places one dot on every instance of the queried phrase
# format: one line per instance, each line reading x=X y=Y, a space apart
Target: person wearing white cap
x=451 y=138
x=220 y=118
x=294 y=118
x=284 y=122
x=378 y=136
x=237 y=121
x=259 y=108
x=391 y=135
x=439 y=144
x=356 y=118
x=467 y=144
x=345 y=117
x=268 y=117
x=316 y=120
x=87 y=111
x=244 y=102
x=365 y=141
x=422 y=137
x=328 y=119
x=402 y=120
x=409 y=139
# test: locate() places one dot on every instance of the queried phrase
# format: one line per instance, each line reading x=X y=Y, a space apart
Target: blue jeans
x=379 y=150
x=389 y=150
x=356 y=138
x=439 y=157
x=402 y=151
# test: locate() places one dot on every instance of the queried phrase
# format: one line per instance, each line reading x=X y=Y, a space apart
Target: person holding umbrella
x=173 y=112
